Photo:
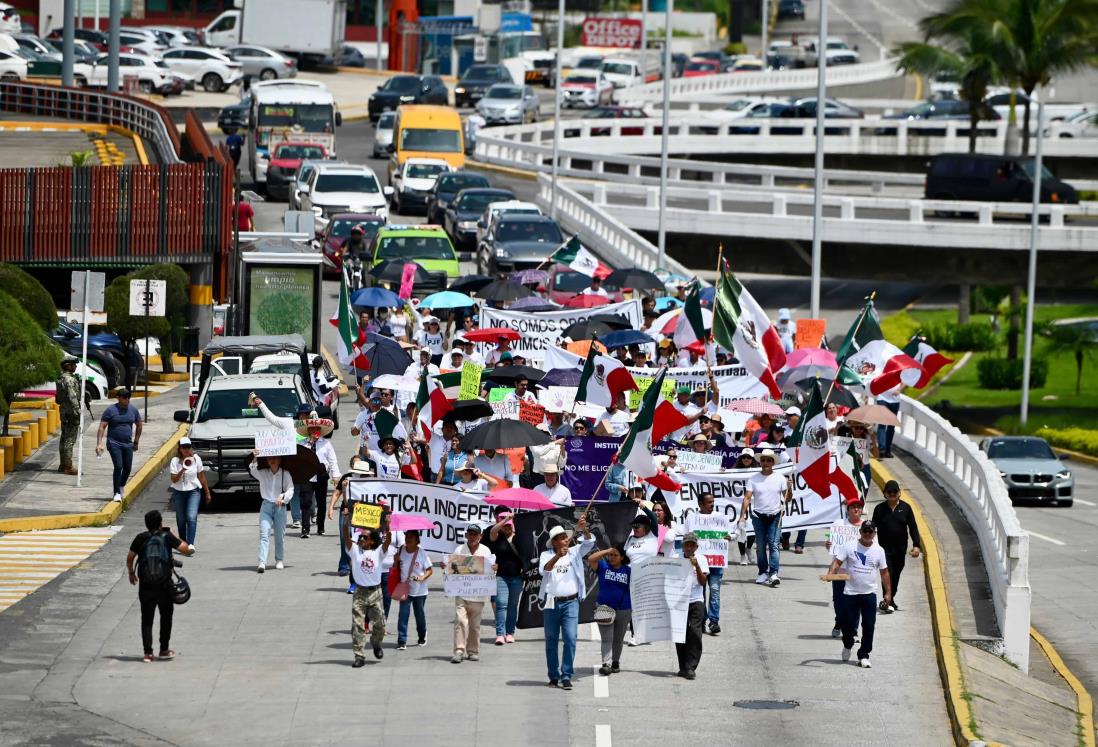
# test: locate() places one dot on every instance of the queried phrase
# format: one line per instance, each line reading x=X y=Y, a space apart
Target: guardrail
x=974 y=484
x=149 y=121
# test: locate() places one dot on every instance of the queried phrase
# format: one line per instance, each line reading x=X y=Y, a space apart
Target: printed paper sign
x=558 y=398
x=366 y=516
x=712 y=530
x=659 y=592
x=667 y=390
x=690 y=461
x=499 y=393
x=275 y=442
x=531 y=412
x=468 y=586
x=810 y=333
x=470 y=380
x=508 y=410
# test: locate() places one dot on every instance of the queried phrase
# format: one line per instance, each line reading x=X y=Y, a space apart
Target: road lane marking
x=1046 y=539
x=602 y=735
x=1086 y=503
x=602 y=685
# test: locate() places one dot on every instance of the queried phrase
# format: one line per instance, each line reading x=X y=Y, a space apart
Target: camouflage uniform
x=69 y=402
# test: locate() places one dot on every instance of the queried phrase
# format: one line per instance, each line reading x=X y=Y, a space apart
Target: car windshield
x=276 y=367
x=1020 y=448
x=583 y=80
x=347 y=183
x=299 y=151
x=458 y=182
x=480 y=72
x=431 y=140
x=424 y=170
x=738 y=105
x=1030 y=167
x=589 y=63
x=415 y=247
x=402 y=84
x=504 y=92
x=310 y=117
x=476 y=202
x=529 y=231
x=342 y=228
x=570 y=282
x=622 y=68
x=922 y=110
x=232 y=404
x=600 y=112
x=701 y=66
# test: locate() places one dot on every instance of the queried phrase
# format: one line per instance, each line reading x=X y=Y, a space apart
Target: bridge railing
x=974 y=484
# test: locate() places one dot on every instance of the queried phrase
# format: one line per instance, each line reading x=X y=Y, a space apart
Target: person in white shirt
x=595 y=289
x=367 y=555
x=391 y=543
x=433 y=339
x=522 y=391
x=365 y=426
x=690 y=651
x=472 y=480
x=304 y=410
x=691 y=411
x=495 y=463
x=188 y=479
x=387 y=460
x=670 y=528
x=702 y=520
x=616 y=418
x=322 y=385
x=495 y=355
x=863 y=561
x=764 y=501
x=842 y=532
x=398 y=324
x=563 y=588
x=455 y=360
x=276 y=487
x=413 y=566
x=786 y=329
x=467 y=610
x=644 y=540
x=421 y=363
x=551 y=488
x=316 y=490
x=470 y=349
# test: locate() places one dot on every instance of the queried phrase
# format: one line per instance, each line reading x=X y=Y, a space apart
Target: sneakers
x=166 y=655
x=422 y=641
x=473 y=657
x=262 y=567
x=499 y=640
x=633 y=641
x=773 y=580
x=884 y=608
x=762 y=578
x=551 y=683
x=359 y=662
x=615 y=668
x=893 y=606
x=846 y=653
x=836 y=632
x=798 y=550
x=117 y=498
x=743 y=558
x=344 y=573
x=402 y=646
x=294 y=525
x=714 y=628
x=378 y=653
x=689 y=674
x=149 y=658
x=604 y=670
x=567 y=684
x=279 y=566
x=509 y=638
x=865 y=663
x=304 y=535
x=457 y=657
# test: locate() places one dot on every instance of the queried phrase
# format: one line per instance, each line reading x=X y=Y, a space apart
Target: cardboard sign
x=470 y=380
x=508 y=410
x=691 y=461
x=366 y=516
x=557 y=398
x=468 y=586
x=712 y=530
x=276 y=442
x=810 y=333
x=667 y=390
x=531 y=412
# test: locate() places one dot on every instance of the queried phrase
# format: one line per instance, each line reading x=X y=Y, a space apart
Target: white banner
x=541 y=331
x=557 y=398
x=659 y=592
x=276 y=441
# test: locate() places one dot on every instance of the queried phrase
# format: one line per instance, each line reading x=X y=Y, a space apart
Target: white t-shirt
x=842 y=532
x=414 y=564
x=527 y=396
x=864 y=565
x=617 y=422
x=496 y=466
x=436 y=342
x=560 y=581
x=558 y=494
x=189 y=480
x=600 y=291
x=638 y=548
x=667 y=549
x=366 y=565
x=479 y=485
x=397 y=541
x=388 y=465
x=697 y=591
x=689 y=410
x=767 y=492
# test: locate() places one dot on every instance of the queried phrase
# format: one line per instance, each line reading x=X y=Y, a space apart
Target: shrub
x=1076 y=439
x=734 y=48
x=27 y=356
x=1003 y=373
x=956 y=337
x=30 y=294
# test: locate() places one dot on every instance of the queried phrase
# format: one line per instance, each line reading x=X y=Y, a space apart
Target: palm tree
x=1077 y=339
x=1034 y=40
x=971 y=57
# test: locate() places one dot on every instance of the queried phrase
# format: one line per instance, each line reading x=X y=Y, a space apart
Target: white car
x=176 y=36
x=95 y=384
x=1083 y=124
x=12 y=66
x=150 y=77
x=215 y=70
x=383 y=134
x=496 y=209
x=747 y=65
x=343 y=188
x=586 y=89
x=739 y=108
x=622 y=73
x=843 y=57
x=413 y=181
x=140 y=40
x=10 y=22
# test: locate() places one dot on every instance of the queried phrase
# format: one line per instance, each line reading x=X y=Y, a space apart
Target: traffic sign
x=148 y=297
x=480 y=49
x=96 y=282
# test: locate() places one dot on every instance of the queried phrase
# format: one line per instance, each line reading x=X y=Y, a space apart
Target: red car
x=700 y=68
x=336 y=232
x=565 y=283
x=286 y=158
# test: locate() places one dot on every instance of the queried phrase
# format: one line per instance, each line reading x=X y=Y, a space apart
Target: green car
x=428 y=246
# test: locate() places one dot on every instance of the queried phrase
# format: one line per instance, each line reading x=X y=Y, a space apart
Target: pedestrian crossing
x=30 y=560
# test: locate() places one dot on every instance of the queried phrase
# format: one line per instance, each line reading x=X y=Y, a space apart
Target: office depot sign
x=612 y=32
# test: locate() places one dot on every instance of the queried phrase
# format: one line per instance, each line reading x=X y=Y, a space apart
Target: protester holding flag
x=563 y=585
x=764 y=501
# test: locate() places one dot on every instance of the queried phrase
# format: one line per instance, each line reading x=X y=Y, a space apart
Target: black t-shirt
x=137 y=547
x=507 y=557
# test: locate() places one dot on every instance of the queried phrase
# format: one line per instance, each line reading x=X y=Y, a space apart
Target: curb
x=1085 y=704
x=111 y=510
x=985 y=430
x=519 y=173
x=333 y=363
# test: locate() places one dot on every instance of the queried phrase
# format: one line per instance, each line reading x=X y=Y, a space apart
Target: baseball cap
x=124 y=393
x=784 y=315
x=185 y=441
x=867 y=526
x=684 y=390
x=690 y=537
x=475 y=528
x=792 y=410
x=890 y=486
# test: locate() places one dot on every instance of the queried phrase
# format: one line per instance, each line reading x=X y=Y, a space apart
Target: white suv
x=343 y=188
x=215 y=70
x=150 y=77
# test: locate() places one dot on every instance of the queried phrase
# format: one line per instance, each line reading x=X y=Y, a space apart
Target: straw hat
x=325 y=425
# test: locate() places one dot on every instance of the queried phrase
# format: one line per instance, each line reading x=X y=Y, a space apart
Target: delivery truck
x=309 y=30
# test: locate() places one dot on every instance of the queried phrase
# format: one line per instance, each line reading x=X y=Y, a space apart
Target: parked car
x=1031 y=469
x=93 y=36
x=141 y=41
x=285 y=161
x=341 y=188
x=151 y=78
x=1083 y=124
x=700 y=69
x=945 y=85
x=476 y=81
x=262 y=63
x=586 y=89
x=506 y=103
x=383 y=134
x=10 y=21
x=95 y=384
x=941 y=110
x=349 y=56
x=461 y=215
x=105 y=350
x=999 y=99
x=833 y=108
x=215 y=70
x=517 y=242
x=446 y=188
x=13 y=66
x=747 y=65
x=842 y=57
x=233 y=117
x=412 y=183
x=612 y=112
x=40 y=46
x=811 y=48
x=407 y=89
x=338 y=230
x=177 y=36
x=992 y=178
x=790 y=9
x=749 y=125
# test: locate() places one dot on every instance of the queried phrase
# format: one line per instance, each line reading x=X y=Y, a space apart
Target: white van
x=624 y=72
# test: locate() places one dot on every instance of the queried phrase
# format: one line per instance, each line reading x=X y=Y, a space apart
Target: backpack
x=156 y=561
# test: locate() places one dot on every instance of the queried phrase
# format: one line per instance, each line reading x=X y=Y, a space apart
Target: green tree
x=27 y=356
x=1077 y=339
x=30 y=294
x=1039 y=39
x=167 y=329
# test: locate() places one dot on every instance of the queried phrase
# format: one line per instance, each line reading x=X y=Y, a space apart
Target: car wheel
x=267 y=74
x=212 y=82
x=92 y=393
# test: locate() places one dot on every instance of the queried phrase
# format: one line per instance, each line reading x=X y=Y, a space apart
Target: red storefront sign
x=612 y=32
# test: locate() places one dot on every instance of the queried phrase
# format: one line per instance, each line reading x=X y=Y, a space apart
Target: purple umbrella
x=530 y=276
x=561 y=377
x=533 y=303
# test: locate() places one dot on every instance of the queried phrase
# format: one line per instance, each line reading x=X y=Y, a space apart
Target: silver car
x=1030 y=469
x=506 y=103
x=262 y=63
x=383 y=134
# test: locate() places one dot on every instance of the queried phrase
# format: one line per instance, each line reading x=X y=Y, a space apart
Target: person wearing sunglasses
x=863 y=562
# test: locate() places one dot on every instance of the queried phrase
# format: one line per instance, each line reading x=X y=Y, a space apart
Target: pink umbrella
x=531 y=500
x=404 y=522
x=811 y=357
x=756 y=407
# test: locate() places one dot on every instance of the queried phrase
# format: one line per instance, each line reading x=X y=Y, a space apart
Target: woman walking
x=413 y=567
x=188 y=480
x=612 y=565
x=276 y=488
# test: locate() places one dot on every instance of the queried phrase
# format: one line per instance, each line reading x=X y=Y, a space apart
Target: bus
x=299 y=110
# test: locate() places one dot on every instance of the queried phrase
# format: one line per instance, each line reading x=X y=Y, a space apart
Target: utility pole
x=68 y=48
x=113 y=46
x=556 y=109
x=1031 y=279
x=817 y=193
x=661 y=241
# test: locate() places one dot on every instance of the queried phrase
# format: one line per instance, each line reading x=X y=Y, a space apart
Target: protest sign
x=447 y=508
x=667 y=389
x=659 y=592
x=841 y=444
x=692 y=461
x=531 y=412
x=557 y=398
x=275 y=441
x=810 y=332
x=499 y=393
x=505 y=410
x=470 y=380
x=588 y=459
x=466 y=576
x=712 y=530
x=541 y=331
x=366 y=515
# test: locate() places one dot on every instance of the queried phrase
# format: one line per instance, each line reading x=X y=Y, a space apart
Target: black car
x=92 y=36
x=478 y=79
x=350 y=57
x=518 y=241
x=234 y=116
x=992 y=178
x=407 y=89
x=790 y=9
x=461 y=215
x=446 y=188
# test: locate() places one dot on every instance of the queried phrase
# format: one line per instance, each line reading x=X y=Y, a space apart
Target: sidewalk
x=37 y=489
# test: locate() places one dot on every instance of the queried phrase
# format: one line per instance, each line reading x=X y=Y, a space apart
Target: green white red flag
x=876 y=362
x=740 y=325
x=926 y=356
x=351 y=337
x=603 y=379
x=636 y=451
x=432 y=405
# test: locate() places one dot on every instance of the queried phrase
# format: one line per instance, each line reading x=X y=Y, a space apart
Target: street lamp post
x=818 y=178
x=1031 y=279
x=556 y=107
x=661 y=241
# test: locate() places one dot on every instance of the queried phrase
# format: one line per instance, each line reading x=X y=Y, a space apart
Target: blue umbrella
x=376 y=296
x=706 y=294
x=385 y=355
x=622 y=337
x=447 y=300
x=663 y=303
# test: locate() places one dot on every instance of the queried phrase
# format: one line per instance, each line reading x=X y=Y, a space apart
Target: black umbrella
x=302 y=466
x=469 y=283
x=503 y=434
x=617 y=321
x=585 y=329
x=392 y=271
x=511 y=373
x=503 y=290
x=634 y=278
x=561 y=377
x=839 y=395
x=470 y=409
x=385 y=355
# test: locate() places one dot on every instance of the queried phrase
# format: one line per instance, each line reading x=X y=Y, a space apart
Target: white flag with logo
x=585 y=262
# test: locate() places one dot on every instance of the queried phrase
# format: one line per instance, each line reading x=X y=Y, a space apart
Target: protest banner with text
x=541 y=331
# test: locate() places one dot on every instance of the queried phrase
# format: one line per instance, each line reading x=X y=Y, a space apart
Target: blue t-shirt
x=614 y=586
x=120 y=423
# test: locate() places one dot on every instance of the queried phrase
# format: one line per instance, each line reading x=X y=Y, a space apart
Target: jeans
x=767 y=529
x=690 y=652
x=799 y=542
x=153 y=599
x=295 y=507
x=716 y=575
x=562 y=620
x=386 y=597
x=613 y=636
x=837 y=603
x=272 y=517
x=406 y=608
x=345 y=559
x=508 y=595
x=303 y=497
x=186 y=513
x=122 y=457
x=885 y=432
x=855 y=606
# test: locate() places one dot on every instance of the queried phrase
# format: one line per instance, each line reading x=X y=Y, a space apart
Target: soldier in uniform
x=69 y=402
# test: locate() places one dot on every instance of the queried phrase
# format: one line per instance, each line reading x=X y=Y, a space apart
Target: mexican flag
x=930 y=359
x=585 y=262
x=449 y=383
x=636 y=451
x=566 y=252
x=432 y=405
x=813 y=445
x=849 y=484
x=573 y=254
x=603 y=379
x=350 y=336
x=740 y=325
x=879 y=364
x=666 y=420
x=690 y=326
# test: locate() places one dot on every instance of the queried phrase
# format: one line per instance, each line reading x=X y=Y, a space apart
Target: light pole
x=765 y=30
x=818 y=178
x=1031 y=279
x=379 y=13
x=556 y=107
x=644 y=40
x=661 y=241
